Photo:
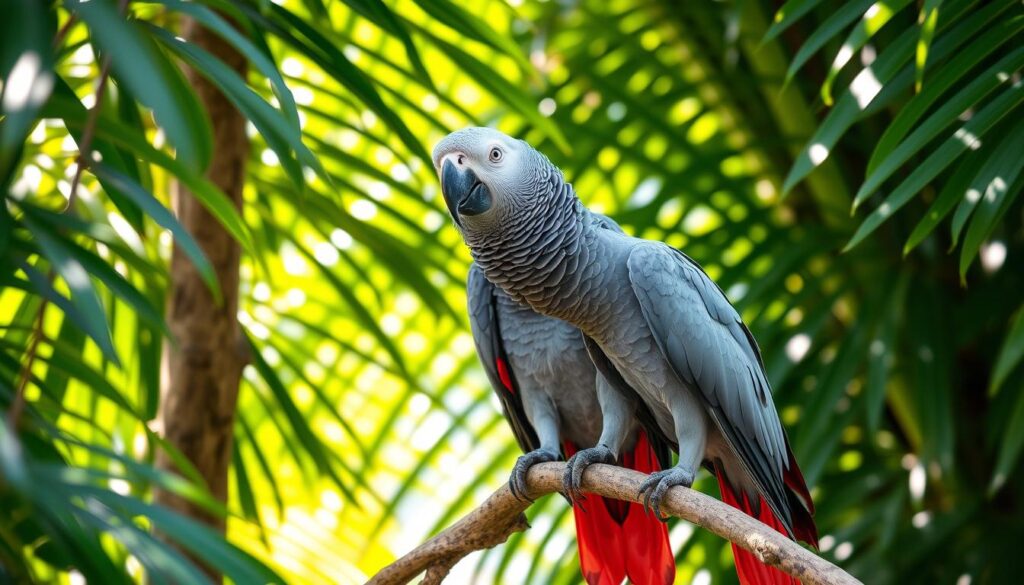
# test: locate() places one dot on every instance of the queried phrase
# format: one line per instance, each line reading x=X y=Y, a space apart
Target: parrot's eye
x=495 y=155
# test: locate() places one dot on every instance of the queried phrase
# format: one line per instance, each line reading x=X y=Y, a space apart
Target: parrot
x=654 y=323
x=551 y=394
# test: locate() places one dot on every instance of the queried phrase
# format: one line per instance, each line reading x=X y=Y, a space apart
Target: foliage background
x=364 y=424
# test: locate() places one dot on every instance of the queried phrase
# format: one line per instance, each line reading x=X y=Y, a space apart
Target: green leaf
x=138 y=64
x=165 y=219
x=56 y=380
x=996 y=194
x=67 y=359
x=877 y=16
x=469 y=26
x=953 y=192
x=324 y=53
x=114 y=157
x=927 y=19
x=1010 y=355
x=1010 y=445
x=273 y=126
x=191 y=535
x=988 y=182
x=208 y=194
x=965 y=137
x=93 y=317
x=512 y=94
x=303 y=432
x=883 y=81
x=942 y=118
x=952 y=72
x=378 y=13
x=100 y=270
x=839 y=19
x=259 y=59
x=261 y=459
x=26 y=67
x=883 y=353
x=788 y=14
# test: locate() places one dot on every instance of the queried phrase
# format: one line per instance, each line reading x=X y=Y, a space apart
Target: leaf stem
x=18 y=404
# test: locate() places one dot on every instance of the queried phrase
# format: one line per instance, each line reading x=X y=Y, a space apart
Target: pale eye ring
x=495 y=155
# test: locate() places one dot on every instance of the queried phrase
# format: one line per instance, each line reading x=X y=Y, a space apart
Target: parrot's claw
x=657 y=485
x=572 y=479
x=517 y=481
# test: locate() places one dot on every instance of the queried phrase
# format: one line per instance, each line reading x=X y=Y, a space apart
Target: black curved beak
x=463 y=192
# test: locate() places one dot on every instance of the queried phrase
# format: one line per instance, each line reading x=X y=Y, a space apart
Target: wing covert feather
x=710 y=349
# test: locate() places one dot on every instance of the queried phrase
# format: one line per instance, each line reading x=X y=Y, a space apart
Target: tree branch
x=501 y=514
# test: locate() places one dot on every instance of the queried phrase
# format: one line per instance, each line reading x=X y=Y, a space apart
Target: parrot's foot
x=517 y=482
x=658 y=484
x=575 y=466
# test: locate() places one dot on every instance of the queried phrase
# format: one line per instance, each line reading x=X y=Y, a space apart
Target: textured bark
x=201 y=372
x=501 y=514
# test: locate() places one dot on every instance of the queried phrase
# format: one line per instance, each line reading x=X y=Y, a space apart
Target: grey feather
x=694 y=323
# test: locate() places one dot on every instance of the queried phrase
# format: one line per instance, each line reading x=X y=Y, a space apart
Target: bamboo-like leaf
x=1010 y=447
x=264 y=466
x=92 y=315
x=26 y=66
x=379 y=13
x=468 y=25
x=324 y=53
x=952 y=193
x=106 y=274
x=1002 y=191
x=283 y=138
x=1010 y=355
x=310 y=443
x=877 y=16
x=164 y=218
x=952 y=73
x=787 y=15
x=191 y=535
x=942 y=118
x=965 y=137
x=261 y=60
x=139 y=65
x=212 y=198
x=498 y=85
x=882 y=81
x=927 y=19
x=835 y=23
x=989 y=184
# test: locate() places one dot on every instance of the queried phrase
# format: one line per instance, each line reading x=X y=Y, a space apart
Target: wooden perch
x=501 y=514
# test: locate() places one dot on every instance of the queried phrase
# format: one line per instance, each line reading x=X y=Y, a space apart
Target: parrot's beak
x=463 y=192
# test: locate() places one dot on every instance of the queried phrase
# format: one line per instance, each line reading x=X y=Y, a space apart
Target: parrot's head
x=488 y=179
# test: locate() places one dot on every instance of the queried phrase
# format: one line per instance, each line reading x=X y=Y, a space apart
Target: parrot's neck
x=543 y=263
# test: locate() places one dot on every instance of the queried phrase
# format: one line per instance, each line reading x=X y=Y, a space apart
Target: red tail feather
x=751 y=570
x=617 y=539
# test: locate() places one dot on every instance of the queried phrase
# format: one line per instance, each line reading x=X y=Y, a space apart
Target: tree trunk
x=201 y=373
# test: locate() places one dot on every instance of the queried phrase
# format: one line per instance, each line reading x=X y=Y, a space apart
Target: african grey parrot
x=553 y=397
x=656 y=325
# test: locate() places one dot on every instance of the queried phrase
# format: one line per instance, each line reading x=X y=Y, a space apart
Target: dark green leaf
x=138 y=64
x=928 y=18
x=165 y=219
x=967 y=136
x=83 y=294
x=1010 y=355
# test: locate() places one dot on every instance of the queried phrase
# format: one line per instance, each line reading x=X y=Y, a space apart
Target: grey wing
x=661 y=443
x=711 y=350
x=490 y=348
